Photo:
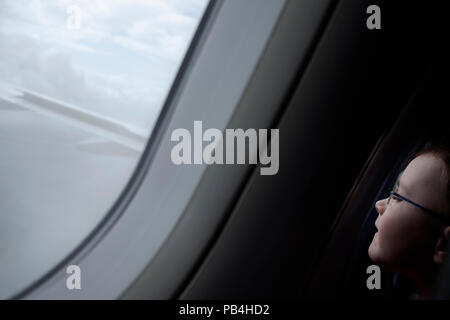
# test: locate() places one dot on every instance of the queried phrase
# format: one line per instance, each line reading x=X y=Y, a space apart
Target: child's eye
x=394 y=197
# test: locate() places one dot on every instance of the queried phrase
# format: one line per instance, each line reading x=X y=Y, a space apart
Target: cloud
x=120 y=63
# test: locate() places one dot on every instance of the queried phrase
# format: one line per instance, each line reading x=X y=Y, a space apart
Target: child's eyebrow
x=397 y=183
x=404 y=187
x=396 y=186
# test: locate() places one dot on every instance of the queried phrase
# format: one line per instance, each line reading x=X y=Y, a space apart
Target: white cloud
x=120 y=63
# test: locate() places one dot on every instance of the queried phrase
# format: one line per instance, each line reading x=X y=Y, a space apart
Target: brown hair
x=441 y=152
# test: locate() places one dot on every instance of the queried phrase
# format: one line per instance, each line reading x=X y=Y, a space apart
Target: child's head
x=413 y=223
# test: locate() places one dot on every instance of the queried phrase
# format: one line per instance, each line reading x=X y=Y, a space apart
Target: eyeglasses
x=394 y=195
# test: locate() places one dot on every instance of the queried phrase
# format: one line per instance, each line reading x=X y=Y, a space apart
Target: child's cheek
x=387 y=228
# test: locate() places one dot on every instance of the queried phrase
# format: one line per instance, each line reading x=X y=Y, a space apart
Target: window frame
x=237 y=45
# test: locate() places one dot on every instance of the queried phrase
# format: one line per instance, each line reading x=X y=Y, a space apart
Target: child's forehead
x=423 y=172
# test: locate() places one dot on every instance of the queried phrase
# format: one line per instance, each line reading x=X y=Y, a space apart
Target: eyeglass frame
x=430 y=212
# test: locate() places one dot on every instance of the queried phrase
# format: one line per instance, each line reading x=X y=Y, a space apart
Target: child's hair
x=442 y=152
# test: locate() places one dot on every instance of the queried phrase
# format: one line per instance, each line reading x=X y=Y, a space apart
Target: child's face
x=407 y=235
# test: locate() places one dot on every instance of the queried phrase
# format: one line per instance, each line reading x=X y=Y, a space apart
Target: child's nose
x=381 y=205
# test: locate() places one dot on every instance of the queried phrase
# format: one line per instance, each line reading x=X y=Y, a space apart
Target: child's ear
x=441 y=246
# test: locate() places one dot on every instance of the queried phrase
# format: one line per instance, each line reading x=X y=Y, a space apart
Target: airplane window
x=81 y=86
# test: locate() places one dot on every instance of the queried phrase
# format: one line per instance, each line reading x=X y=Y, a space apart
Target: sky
x=119 y=63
